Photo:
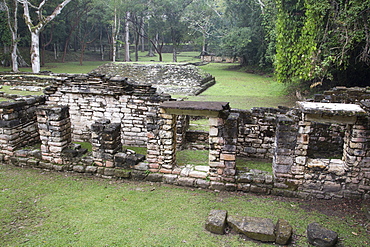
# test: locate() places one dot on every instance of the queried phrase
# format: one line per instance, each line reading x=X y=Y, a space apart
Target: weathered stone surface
x=320 y=236
x=216 y=221
x=253 y=227
x=283 y=231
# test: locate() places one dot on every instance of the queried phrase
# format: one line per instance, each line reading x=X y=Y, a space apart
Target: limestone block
x=320 y=236
x=79 y=168
x=197 y=174
x=201 y=183
x=283 y=232
x=317 y=163
x=170 y=178
x=338 y=167
x=261 y=229
x=120 y=173
x=216 y=221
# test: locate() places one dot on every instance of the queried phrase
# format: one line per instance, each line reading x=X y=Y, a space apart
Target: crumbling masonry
x=110 y=112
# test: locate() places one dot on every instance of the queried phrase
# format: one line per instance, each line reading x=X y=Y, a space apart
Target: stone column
x=285 y=145
x=216 y=142
x=55 y=131
x=161 y=153
x=228 y=151
x=106 y=141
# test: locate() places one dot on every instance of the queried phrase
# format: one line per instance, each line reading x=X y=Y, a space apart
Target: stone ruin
x=171 y=79
x=110 y=112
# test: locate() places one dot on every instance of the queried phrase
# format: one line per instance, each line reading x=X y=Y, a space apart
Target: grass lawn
x=40 y=208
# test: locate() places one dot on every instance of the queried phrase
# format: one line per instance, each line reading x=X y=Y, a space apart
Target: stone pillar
x=161 y=153
x=55 y=131
x=106 y=141
x=356 y=154
x=216 y=142
x=285 y=146
x=228 y=150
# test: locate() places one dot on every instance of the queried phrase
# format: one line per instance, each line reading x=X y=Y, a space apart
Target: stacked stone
x=93 y=97
x=181 y=126
x=286 y=142
x=257 y=132
x=216 y=141
x=133 y=122
x=344 y=95
x=55 y=131
x=356 y=154
x=18 y=124
x=106 y=142
x=161 y=153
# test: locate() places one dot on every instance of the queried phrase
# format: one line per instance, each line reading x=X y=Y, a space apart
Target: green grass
x=193 y=157
x=243 y=90
x=199 y=124
x=138 y=150
x=40 y=208
x=8 y=90
x=254 y=164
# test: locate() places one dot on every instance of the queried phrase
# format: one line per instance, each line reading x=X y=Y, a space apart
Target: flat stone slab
x=332 y=108
x=195 y=108
x=331 y=112
x=261 y=229
x=216 y=221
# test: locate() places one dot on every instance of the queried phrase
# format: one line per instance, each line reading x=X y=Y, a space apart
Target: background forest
x=310 y=42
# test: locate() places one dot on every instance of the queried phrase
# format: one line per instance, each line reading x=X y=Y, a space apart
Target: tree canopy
x=313 y=41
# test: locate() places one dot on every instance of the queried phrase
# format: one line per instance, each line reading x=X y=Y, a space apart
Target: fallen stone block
x=261 y=229
x=283 y=232
x=216 y=221
x=320 y=236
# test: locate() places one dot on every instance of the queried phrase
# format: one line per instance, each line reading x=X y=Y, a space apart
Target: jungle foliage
x=311 y=41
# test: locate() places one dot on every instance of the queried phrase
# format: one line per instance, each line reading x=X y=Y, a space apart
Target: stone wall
x=166 y=78
x=92 y=97
x=110 y=112
x=18 y=124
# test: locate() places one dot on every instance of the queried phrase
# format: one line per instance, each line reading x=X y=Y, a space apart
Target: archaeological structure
x=318 y=149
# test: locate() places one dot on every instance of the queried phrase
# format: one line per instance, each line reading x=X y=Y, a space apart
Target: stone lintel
x=195 y=108
x=330 y=112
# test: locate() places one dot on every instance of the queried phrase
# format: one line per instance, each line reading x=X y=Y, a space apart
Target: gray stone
x=261 y=229
x=79 y=168
x=320 y=236
x=185 y=181
x=154 y=177
x=216 y=221
x=283 y=232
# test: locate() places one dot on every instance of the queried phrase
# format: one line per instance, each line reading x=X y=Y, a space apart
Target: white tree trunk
x=14 y=53
x=35 y=52
x=127 y=36
x=114 y=36
x=36 y=29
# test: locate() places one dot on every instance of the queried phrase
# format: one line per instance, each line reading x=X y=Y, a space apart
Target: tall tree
x=245 y=35
x=204 y=16
x=11 y=8
x=171 y=11
x=35 y=29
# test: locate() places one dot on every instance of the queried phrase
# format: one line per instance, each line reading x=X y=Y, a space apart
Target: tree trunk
x=14 y=53
x=35 y=52
x=174 y=54
x=101 y=45
x=114 y=36
x=36 y=29
x=127 y=36
x=142 y=35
